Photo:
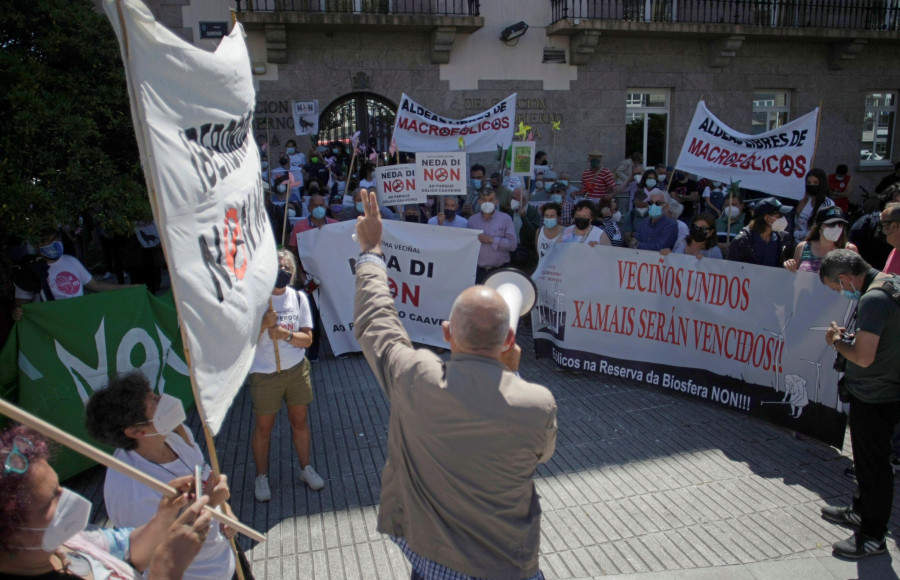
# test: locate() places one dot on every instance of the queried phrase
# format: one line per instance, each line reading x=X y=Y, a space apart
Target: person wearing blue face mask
x=56 y=276
x=351 y=212
x=658 y=232
x=871 y=384
x=477 y=186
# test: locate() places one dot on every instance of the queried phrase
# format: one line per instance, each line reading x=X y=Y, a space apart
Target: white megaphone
x=517 y=289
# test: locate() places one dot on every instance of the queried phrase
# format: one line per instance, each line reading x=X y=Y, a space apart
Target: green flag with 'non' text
x=61 y=352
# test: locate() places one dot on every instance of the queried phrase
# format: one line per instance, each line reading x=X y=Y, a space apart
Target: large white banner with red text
x=418 y=129
x=427 y=268
x=775 y=162
x=193 y=111
x=746 y=337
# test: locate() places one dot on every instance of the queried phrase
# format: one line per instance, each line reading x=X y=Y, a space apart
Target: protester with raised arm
x=465 y=435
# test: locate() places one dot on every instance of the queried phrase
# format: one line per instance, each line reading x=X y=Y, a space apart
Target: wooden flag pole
x=63 y=438
x=275 y=344
x=141 y=131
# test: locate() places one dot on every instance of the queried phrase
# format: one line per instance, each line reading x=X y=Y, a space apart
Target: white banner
x=428 y=266
x=747 y=337
x=396 y=185
x=306 y=117
x=775 y=162
x=192 y=113
x=418 y=129
x=441 y=173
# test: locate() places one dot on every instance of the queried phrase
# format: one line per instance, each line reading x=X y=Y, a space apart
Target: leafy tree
x=67 y=144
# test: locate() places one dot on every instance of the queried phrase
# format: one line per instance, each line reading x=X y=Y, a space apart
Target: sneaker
x=261 y=489
x=858 y=546
x=311 y=478
x=842 y=515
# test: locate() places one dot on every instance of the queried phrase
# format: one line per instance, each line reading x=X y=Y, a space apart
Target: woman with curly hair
x=148 y=431
x=44 y=528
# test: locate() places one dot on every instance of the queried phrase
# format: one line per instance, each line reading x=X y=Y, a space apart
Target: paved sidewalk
x=644 y=484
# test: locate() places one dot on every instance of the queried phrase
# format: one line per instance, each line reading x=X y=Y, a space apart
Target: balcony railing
x=845 y=14
x=425 y=7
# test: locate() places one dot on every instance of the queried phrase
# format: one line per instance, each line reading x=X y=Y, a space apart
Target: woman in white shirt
x=582 y=231
x=148 y=431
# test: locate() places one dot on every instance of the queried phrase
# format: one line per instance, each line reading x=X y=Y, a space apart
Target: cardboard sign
x=306 y=117
x=441 y=173
x=522 y=158
x=396 y=185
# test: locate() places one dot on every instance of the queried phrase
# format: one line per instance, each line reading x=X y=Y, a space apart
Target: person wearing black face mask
x=449 y=217
x=280 y=374
x=814 y=198
x=582 y=231
x=701 y=241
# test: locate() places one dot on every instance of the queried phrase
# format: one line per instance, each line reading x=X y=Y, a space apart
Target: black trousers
x=871 y=429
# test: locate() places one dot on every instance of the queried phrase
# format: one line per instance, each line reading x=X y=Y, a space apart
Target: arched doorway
x=368 y=113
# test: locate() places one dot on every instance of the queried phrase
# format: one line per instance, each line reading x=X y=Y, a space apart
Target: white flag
x=192 y=112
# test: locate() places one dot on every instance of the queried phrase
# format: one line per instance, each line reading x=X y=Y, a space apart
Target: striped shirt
x=598 y=183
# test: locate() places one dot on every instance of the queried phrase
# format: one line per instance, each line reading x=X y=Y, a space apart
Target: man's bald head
x=479 y=321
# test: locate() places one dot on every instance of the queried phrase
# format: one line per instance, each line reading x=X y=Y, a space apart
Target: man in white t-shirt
x=58 y=275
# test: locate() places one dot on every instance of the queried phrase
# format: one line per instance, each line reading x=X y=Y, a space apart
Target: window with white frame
x=771 y=109
x=647 y=124
x=876 y=147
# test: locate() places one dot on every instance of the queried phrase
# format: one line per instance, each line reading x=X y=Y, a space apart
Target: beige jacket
x=463 y=442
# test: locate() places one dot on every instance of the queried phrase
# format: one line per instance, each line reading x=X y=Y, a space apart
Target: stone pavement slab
x=643 y=484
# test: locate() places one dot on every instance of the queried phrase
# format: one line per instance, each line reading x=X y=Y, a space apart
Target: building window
x=878 y=128
x=370 y=114
x=647 y=124
x=770 y=110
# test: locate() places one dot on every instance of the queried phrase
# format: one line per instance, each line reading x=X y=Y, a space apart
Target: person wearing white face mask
x=149 y=434
x=44 y=529
x=764 y=241
x=828 y=233
x=730 y=223
x=497 y=237
x=526 y=221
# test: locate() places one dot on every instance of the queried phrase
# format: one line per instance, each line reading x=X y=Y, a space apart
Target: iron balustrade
x=876 y=15
x=423 y=7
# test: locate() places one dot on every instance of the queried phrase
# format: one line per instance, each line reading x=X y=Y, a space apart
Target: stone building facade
x=644 y=61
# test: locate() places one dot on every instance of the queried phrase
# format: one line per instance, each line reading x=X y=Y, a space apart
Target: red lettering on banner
x=234 y=243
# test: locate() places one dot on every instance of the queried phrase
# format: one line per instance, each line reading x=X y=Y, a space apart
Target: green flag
x=60 y=352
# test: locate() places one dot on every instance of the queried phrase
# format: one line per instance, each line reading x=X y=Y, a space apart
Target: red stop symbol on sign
x=397 y=185
x=441 y=175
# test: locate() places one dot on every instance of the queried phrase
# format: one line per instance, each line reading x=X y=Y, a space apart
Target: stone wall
x=592 y=112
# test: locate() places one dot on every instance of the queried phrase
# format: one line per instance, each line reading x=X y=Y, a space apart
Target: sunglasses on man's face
x=656 y=203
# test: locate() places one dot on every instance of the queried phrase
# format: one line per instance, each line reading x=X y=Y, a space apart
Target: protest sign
x=741 y=336
x=62 y=351
x=427 y=268
x=192 y=123
x=418 y=129
x=396 y=185
x=522 y=157
x=441 y=173
x=775 y=162
x=306 y=117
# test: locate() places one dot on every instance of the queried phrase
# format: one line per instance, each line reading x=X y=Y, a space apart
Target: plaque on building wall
x=213 y=29
x=361 y=82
